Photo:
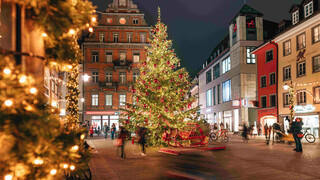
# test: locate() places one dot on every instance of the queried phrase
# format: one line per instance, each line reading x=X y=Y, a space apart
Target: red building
x=111 y=56
x=267 y=61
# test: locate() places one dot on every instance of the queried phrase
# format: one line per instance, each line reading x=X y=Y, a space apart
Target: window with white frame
x=302 y=97
x=301 y=41
x=135 y=21
x=136 y=57
x=129 y=37
x=226 y=65
x=226 y=91
x=95 y=99
x=308 y=9
x=122 y=77
x=316 y=64
x=108 y=100
x=95 y=57
x=287 y=73
x=272 y=79
x=122 y=99
x=115 y=37
x=286 y=101
x=287 y=48
x=95 y=77
x=316 y=94
x=102 y=37
x=209 y=98
x=208 y=76
x=295 y=17
x=108 y=57
x=216 y=71
x=218 y=94
x=263 y=81
x=251 y=58
x=109 y=77
x=142 y=38
x=301 y=69
x=316 y=34
x=135 y=76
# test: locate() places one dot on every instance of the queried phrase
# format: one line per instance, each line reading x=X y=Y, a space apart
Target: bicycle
x=308 y=136
x=221 y=135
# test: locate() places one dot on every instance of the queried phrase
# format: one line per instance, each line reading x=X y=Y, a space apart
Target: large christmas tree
x=159 y=94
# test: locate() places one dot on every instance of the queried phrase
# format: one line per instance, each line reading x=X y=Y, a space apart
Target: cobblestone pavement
x=253 y=160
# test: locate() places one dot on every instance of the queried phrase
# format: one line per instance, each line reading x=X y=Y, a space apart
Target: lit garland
x=160 y=91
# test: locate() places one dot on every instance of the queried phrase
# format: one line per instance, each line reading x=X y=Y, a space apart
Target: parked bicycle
x=221 y=136
x=308 y=136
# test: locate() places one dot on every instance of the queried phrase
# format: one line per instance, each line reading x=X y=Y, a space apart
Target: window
x=108 y=100
x=108 y=56
x=226 y=65
x=208 y=76
x=122 y=99
x=269 y=55
x=286 y=99
x=135 y=21
x=216 y=71
x=122 y=77
x=301 y=41
x=129 y=36
x=287 y=48
x=251 y=58
x=316 y=34
x=116 y=38
x=214 y=95
x=122 y=56
x=272 y=77
x=308 y=9
x=101 y=37
x=95 y=99
x=109 y=20
x=316 y=94
x=272 y=100
x=286 y=73
x=136 y=57
x=301 y=69
x=316 y=64
x=135 y=76
x=226 y=91
x=209 y=98
x=302 y=97
x=142 y=38
x=95 y=57
x=218 y=93
x=108 y=77
x=95 y=76
x=263 y=101
x=263 y=81
x=295 y=17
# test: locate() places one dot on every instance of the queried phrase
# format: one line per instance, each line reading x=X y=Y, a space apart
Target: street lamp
x=286 y=87
x=86 y=77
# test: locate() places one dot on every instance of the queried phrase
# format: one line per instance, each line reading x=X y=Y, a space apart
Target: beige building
x=299 y=63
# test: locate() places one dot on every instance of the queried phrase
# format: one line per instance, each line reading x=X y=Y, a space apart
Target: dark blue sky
x=197 y=26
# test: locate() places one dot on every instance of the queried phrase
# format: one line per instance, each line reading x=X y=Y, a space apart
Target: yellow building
x=299 y=63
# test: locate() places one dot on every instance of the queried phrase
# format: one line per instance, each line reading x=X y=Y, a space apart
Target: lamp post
x=289 y=87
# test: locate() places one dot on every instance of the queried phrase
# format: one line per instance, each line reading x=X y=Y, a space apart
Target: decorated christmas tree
x=160 y=93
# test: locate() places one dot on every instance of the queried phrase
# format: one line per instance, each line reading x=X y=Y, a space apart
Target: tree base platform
x=179 y=151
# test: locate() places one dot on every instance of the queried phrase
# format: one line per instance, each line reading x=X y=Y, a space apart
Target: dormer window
x=295 y=17
x=308 y=9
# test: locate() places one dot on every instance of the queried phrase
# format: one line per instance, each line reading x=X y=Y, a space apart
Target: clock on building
x=122 y=2
x=122 y=20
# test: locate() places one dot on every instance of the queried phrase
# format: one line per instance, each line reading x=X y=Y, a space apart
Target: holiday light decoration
x=160 y=91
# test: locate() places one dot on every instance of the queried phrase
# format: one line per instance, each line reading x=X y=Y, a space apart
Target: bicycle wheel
x=213 y=136
x=226 y=139
x=310 y=138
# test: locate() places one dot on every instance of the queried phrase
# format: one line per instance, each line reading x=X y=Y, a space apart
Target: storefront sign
x=236 y=103
x=304 y=109
x=101 y=112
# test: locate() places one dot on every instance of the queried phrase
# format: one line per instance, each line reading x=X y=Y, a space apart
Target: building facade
x=299 y=64
x=111 y=57
x=267 y=77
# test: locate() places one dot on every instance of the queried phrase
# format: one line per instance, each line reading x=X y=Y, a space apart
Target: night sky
x=197 y=26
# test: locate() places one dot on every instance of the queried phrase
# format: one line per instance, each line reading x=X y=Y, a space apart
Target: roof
x=247 y=10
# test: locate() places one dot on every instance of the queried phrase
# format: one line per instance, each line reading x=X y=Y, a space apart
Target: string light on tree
x=7 y=71
x=8 y=102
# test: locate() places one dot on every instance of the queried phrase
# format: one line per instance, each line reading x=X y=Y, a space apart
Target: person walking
x=91 y=132
x=122 y=136
x=113 y=130
x=106 y=130
x=142 y=140
x=245 y=133
x=296 y=127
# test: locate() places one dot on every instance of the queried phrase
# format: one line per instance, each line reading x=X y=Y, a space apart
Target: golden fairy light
x=8 y=177
x=82 y=136
x=94 y=19
x=44 y=35
x=90 y=29
x=74 y=148
x=65 y=166
x=23 y=79
x=54 y=103
x=38 y=161
x=53 y=172
x=33 y=90
x=69 y=66
x=7 y=71
x=71 y=31
x=72 y=167
x=8 y=102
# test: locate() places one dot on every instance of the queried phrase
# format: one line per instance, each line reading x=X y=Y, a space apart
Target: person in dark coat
x=106 y=130
x=123 y=136
x=245 y=133
x=296 y=127
x=142 y=140
x=113 y=130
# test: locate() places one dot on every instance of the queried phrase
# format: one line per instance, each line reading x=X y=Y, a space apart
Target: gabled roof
x=247 y=10
x=293 y=6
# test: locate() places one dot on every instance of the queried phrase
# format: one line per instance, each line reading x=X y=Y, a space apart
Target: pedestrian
x=122 y=136
x=227 y=126
x=113 y=130
x=142 y=140
x=266 y=131
x=91 y=132
x=296 y=127
x=245 y=133
x=259 y=128
x=106 y=130
x=221 y=126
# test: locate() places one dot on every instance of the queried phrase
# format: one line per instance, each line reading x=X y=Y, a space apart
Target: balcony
x=122 y=64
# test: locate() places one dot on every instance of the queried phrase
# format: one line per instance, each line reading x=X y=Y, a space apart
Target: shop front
x=99 y=118
x=310 y=123
x=227 y=120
